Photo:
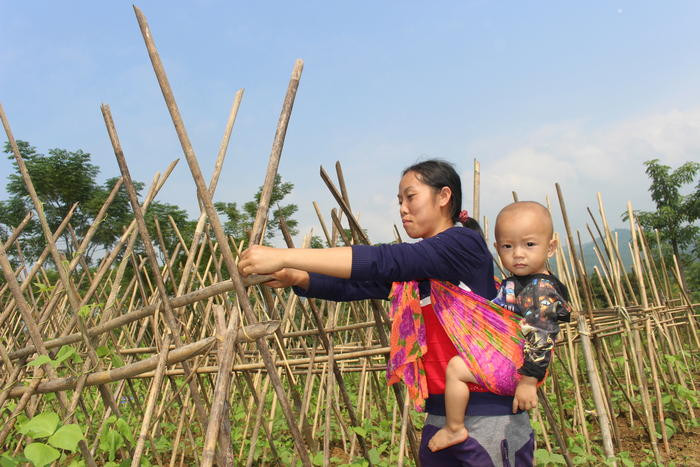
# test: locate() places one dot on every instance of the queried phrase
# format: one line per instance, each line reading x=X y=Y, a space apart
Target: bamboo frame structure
x=220 y=370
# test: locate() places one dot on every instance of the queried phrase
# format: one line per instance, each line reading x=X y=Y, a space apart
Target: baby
x=524 y=242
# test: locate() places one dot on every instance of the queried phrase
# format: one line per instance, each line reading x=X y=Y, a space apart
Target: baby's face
x=523 y=241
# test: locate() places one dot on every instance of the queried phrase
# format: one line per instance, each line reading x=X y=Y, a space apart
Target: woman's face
x=424 y=211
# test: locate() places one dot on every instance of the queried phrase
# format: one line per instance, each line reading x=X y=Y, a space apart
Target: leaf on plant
x=557 y=459
x=116 y=361
x=360 y=431
x=542 y=456
x=124 y=429
x=41 y=454
x=84 y=311
x=110 y=442
x=40 y=360
x=40 y=426
x=67 y=437
x=317 y=459
x=66 y=352
x=670 y=427
x=7 y=460
x=163 y=444
x=374 y=456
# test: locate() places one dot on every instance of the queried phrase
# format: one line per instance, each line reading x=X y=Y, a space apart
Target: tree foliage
x=163 y=212
x=240 y=221
x=63 y=178
x=60 y=179
x=676 y=214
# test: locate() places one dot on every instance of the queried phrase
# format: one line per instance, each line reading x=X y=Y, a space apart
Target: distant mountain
x=624 y=237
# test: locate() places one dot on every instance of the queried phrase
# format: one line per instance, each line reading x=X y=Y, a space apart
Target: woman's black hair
x=437 y=173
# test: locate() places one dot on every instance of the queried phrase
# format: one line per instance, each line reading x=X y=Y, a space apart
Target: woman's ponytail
x=469 y=222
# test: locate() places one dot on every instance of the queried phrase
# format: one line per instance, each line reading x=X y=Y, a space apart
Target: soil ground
x=685 y=447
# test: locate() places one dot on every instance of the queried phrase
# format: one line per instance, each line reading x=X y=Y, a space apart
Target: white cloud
x=583 y=159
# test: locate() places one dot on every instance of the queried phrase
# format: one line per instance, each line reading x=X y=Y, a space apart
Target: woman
x=430 y=198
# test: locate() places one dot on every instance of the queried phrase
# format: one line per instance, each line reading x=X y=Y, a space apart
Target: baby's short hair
x=533 y=206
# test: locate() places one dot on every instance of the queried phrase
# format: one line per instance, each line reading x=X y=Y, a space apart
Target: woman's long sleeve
x=457 y=255
x=343 y=290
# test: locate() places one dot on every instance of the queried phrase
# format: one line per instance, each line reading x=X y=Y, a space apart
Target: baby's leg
x=456 y=400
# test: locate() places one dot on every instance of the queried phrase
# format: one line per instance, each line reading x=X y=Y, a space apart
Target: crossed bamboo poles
x=213 y=325
x=211 y=291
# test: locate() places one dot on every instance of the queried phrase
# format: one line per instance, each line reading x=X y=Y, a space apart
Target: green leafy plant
x=117 y=434
x=545 y=458
x=52 y=439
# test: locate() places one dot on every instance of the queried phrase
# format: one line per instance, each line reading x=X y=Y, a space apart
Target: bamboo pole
x=477 y=190
x=327 y=343
x=150 y=404
x=555 y=427
x=604 y=401
x=596 y=391
x=216 y=225
x=35 y=337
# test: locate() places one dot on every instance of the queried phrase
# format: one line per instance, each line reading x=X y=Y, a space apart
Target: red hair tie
x=463 y=216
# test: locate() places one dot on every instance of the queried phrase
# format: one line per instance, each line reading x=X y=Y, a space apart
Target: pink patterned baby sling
x=485 y=335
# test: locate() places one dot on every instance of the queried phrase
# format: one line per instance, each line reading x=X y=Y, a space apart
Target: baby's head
x=524 y=238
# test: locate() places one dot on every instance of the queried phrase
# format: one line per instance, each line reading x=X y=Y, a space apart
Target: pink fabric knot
x=463 y=216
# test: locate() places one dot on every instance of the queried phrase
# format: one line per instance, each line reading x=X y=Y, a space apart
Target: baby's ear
x=553 y=243
x=495 y=245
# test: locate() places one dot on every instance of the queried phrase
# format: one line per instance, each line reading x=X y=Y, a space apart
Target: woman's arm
x=335 y=262
x=318 y=273
x=456 y=255
x=342 y=290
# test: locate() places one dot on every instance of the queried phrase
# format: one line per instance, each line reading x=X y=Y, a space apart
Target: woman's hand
x=260 y=260
x=265 y=260
x=525 y=394
x=336 y=262
x=289 y=277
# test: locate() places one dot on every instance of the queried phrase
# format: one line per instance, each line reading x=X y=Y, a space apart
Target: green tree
x=676 y=214
x=162 y=212
x=117 y=218
x=240 y=221
x=317 y=242
x=60 y=179
x=63 y=178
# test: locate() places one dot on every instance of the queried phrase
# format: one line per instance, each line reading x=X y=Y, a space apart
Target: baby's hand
x=525 y=394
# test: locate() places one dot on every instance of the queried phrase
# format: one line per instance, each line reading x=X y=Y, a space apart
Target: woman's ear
x=444 y=196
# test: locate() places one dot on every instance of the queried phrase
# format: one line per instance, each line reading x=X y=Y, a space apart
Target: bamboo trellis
x=175 y=343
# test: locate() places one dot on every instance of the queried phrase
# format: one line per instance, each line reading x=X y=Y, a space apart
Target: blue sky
x=539 y=92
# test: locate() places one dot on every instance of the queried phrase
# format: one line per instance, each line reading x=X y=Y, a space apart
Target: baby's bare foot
x=445 y=437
